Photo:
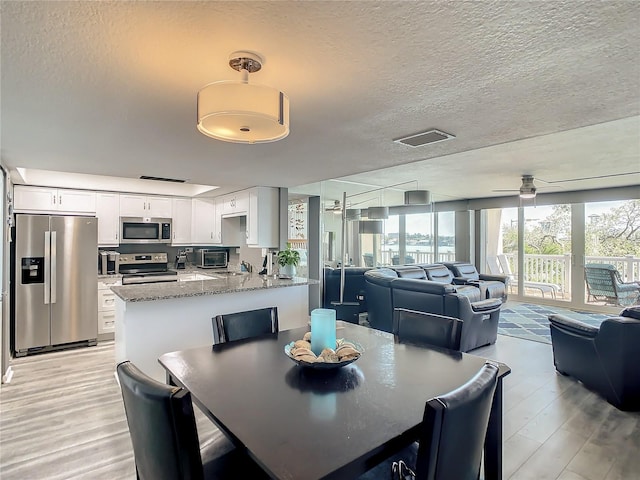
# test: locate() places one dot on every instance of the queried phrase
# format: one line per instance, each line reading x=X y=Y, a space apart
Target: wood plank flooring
x=61 y=417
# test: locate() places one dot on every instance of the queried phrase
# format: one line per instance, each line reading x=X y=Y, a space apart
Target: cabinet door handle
x=54 y=199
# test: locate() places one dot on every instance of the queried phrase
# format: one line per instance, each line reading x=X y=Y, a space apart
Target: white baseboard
x=8 y=375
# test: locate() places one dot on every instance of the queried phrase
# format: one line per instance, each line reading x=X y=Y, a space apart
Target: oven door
x=140 y=230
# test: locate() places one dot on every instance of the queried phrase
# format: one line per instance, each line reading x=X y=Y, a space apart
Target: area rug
x=529 y=321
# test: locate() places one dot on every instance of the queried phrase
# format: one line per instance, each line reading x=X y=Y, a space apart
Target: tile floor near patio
x=61 y=418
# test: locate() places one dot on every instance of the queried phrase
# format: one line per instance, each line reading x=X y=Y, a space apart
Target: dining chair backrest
x=454 y=429
x=162 y=427
x=238 y=326
x=421 y=328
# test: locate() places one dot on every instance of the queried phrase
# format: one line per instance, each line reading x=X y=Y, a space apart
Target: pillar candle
x=323 y=329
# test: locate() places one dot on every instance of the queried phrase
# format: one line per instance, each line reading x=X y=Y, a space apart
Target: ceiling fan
x=528 y=188
x=336 y=207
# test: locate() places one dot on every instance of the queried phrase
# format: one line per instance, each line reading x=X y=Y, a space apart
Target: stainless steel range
x=145 y=268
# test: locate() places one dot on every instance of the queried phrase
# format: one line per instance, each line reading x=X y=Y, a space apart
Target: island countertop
x=218 y=284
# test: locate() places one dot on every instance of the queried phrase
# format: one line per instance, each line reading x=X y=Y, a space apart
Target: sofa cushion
x=438 y=273
x=410 y=271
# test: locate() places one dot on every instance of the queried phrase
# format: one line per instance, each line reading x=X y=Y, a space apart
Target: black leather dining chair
x=421 y=328
x=164 y=436
x=237 y=326
x=453 y=432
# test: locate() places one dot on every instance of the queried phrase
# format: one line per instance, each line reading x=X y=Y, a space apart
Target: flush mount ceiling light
x=241 y=112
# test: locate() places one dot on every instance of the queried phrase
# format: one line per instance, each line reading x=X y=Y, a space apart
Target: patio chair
x=604 y=284
x=241 y=325
x=541 y=287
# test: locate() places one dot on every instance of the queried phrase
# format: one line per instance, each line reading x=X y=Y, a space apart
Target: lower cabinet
x=106 y=307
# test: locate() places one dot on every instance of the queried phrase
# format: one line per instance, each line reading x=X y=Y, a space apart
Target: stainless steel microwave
x=145 y=230
x=212 y=258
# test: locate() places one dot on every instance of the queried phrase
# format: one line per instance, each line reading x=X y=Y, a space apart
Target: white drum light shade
x=417 y=197
x=378 y=213
x=370 y=227
x=241 y=112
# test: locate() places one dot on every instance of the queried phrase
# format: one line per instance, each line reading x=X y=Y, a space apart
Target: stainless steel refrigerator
x=56 y=297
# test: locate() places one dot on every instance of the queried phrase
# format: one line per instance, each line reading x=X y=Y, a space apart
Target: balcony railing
x=556 y=269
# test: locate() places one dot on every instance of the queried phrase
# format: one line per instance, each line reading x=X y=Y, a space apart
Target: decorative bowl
x=323 y=365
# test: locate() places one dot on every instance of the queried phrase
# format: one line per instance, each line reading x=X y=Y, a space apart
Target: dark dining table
x=299 y=423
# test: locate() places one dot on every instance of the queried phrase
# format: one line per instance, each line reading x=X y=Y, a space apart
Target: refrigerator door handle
x=53 y=267
x=47 y=267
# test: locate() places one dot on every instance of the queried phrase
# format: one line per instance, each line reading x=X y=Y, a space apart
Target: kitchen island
x=156 y=318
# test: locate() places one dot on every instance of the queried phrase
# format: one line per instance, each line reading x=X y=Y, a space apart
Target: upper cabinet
x=53 y=200
x=204 y=222
x=235 y=204
x=108 y=213
x=181 y=224
x=263 y=224
x=144 y=206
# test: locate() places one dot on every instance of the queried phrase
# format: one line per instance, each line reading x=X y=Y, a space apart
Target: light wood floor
x=61 y=417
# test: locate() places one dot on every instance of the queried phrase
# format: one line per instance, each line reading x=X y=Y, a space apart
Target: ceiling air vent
x=160 y=179
x=424 y=138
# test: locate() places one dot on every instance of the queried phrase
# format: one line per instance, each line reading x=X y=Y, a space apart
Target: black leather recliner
x=386 y=290
x=438 y=272
x=604 y=359
x=492 y=286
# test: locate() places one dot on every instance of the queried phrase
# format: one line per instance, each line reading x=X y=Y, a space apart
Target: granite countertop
x=222 y=283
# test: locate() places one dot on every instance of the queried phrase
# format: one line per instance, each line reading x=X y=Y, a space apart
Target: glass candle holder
x=323 y=329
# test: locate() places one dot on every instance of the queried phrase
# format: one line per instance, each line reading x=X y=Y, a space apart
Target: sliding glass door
x=565 y=253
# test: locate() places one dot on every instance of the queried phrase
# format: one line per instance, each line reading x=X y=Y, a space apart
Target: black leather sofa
x=604 y=359
x=407 y=287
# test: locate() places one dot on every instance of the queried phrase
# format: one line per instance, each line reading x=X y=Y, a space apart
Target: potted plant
x=288 y=260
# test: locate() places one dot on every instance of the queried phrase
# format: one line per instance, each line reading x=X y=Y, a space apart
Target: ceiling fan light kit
x=240 y=112
x=528 y=188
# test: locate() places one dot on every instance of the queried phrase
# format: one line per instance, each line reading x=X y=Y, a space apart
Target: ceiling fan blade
x=578 y=179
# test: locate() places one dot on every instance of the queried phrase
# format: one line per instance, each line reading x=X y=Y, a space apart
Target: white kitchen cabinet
x=106 y=307
x=203 y=222
x=263 y=218
x=53 y=200
x=108 y=213
x=235 y=204
x=144 y=206
x=181 y=221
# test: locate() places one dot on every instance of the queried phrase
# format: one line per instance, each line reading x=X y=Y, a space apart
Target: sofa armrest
x=486 y=306
x=494 y=278
x=572 y=326
x=463 y=281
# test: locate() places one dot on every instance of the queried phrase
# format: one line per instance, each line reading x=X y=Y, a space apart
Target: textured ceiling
x=550 y=89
